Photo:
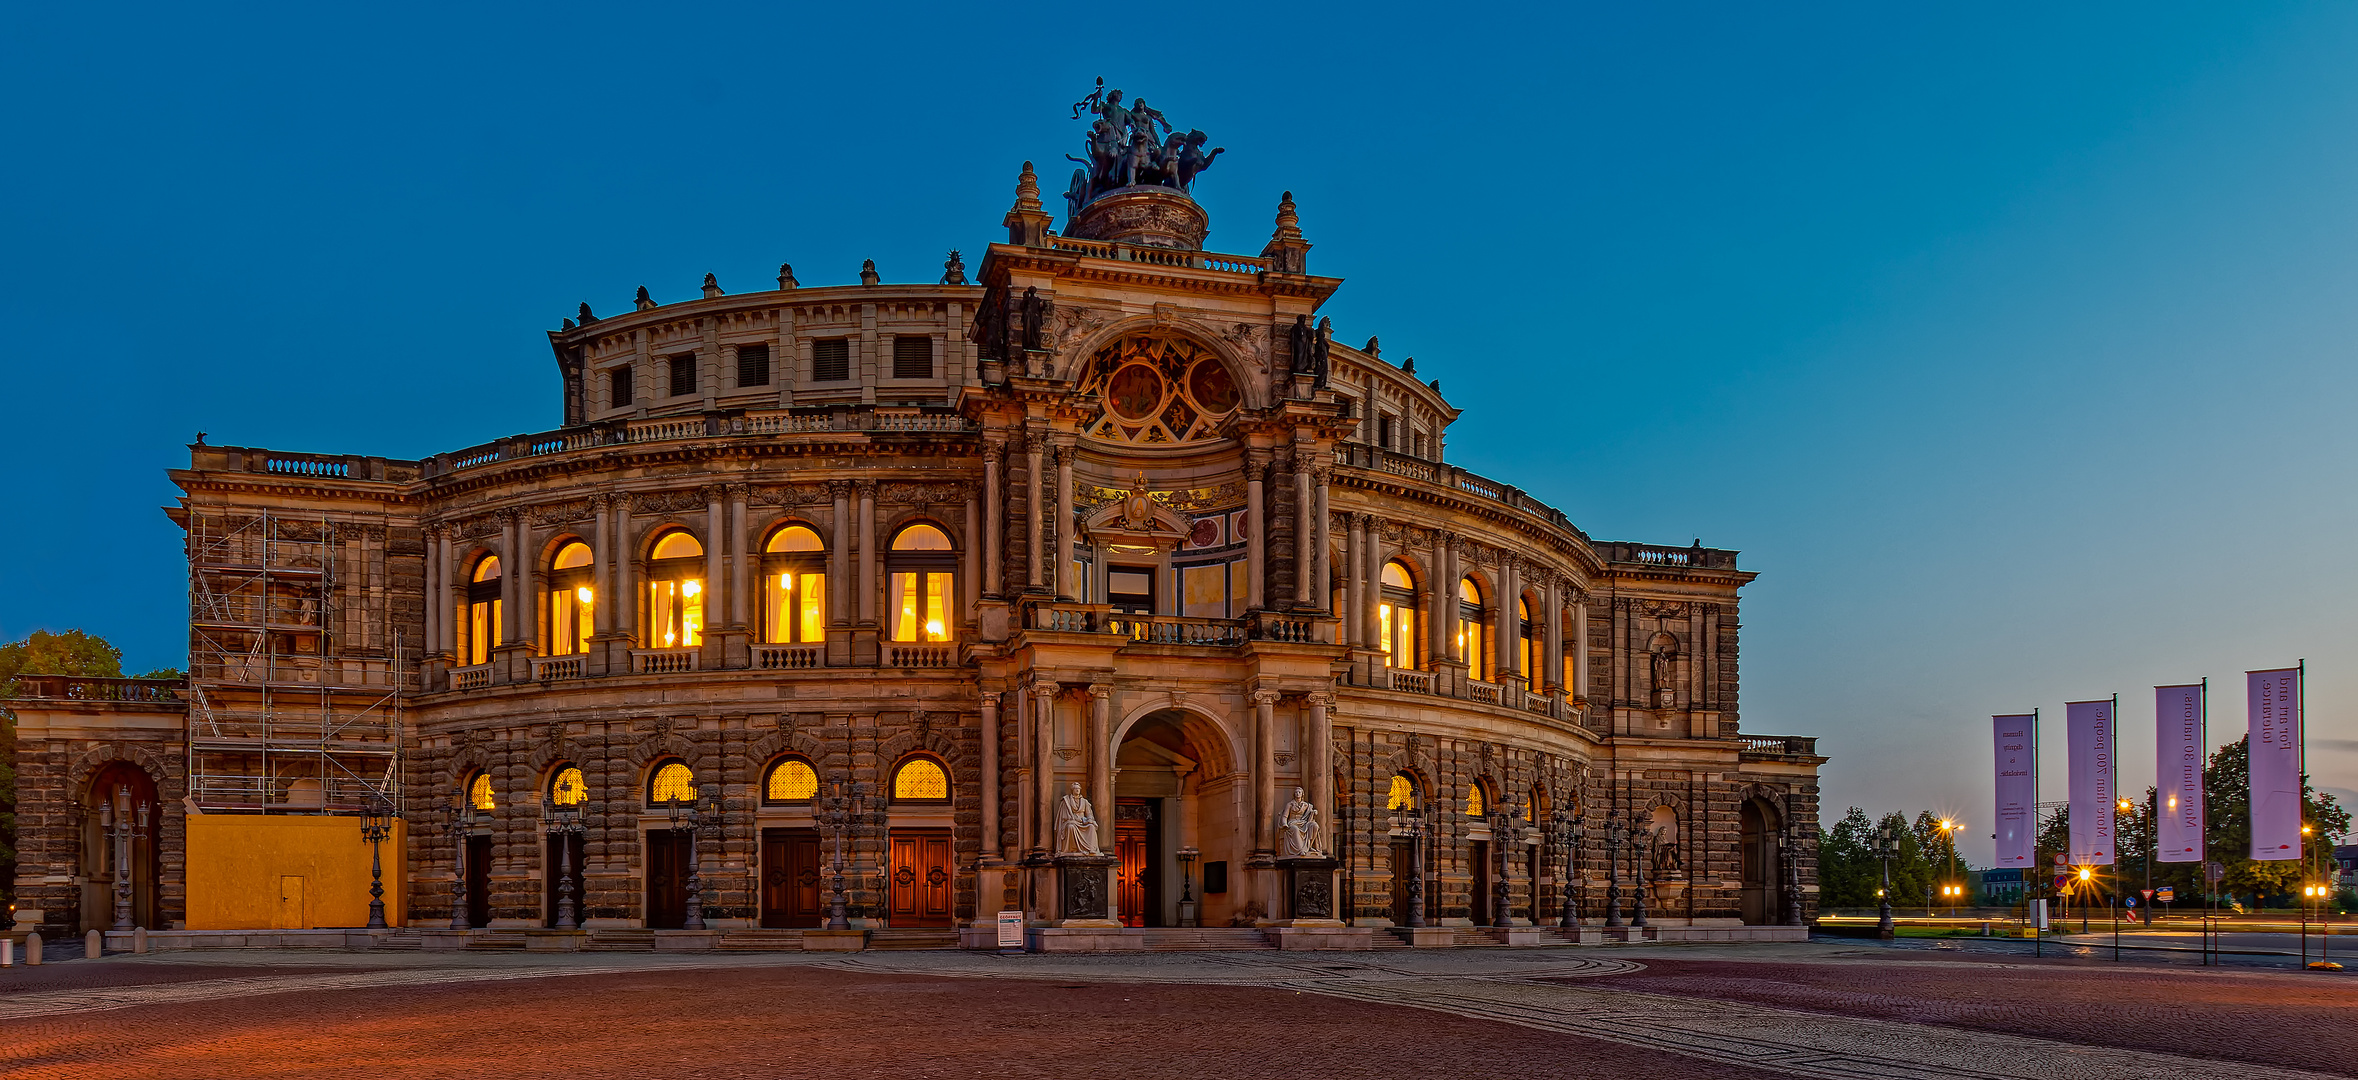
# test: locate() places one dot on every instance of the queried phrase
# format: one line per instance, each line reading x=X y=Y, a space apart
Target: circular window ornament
x=1157 y=389
x=1135 y=393
x=1214 y=392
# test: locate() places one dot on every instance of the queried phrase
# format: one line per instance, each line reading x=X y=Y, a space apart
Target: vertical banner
x=2017 y=753
x=2177 y=773
x=2088 y=726
x=2276 y=763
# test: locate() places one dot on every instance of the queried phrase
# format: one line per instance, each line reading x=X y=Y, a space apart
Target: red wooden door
x=791 y=894
x=922 y=877
x=1132 y=847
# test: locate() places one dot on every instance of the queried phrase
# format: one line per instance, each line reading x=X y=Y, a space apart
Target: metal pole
x=1637 y=855
x=1613 y=834
x=462 y=823
x=1416 y=868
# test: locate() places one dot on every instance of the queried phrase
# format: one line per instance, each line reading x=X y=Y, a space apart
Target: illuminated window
x=1474 y=801
x=1528 y=647
x=479 y=792
x=793 y=587
x=791 y=780
x=1403 y=795
x=571 y=597
x=483 y=612
x=920 y=779
x=672 y=782
x=675 y=592
x=1469 y=631
x=1397 y=612
x=569 y=789
x=923 y=576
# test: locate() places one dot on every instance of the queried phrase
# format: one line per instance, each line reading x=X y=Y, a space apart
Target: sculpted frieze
x=908 y=493
x=667 y=502
x=791 y=495
x=559 y=513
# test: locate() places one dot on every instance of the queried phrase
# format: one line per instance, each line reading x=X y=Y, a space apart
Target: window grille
x=912 y=357
x=831 y=360
x=618 y=386
x=683 y=374
x=753 y=365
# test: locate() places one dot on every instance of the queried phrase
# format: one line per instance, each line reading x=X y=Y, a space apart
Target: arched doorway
x=1174 y=793
x=119 y=845
x=1764 y=893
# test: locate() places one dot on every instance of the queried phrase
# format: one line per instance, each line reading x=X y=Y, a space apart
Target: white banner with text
x=2177 y=773
x=2276 y=763
x=2017 y=752
x=2088 y=728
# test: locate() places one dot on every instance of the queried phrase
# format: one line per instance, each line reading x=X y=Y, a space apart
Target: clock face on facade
x=1157 y=389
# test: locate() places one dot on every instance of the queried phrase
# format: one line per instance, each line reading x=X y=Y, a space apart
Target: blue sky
x=2010 y=344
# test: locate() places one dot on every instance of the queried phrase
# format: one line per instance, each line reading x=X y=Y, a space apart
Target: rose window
x=1159 y=390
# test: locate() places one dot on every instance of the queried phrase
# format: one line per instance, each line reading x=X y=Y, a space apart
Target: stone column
x=1264 y=770
x=1256 y=521
x=622 y=591
x=1066 y=587
x=1509 y=635
x=515 y=578
x=435 y=634
x=1303 y=530
x=839 y=609
x=1442 y=612
x=1371 y=612
x=1033 y=454
x=970 y=584
x=1044 y=764
x=1554 y=675
x=445 y=604
x=868 y=587
x=1101 y=791
x=1322 y=539
x=716 y=538
x=1355 y=594
x=994 y=519
x=744 y=552
x=1316 y=753
x=992 y=844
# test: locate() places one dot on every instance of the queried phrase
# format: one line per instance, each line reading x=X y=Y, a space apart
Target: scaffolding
x=295 y=703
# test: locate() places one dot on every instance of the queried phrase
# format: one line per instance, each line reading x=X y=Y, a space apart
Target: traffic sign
x=2148 y=893
x=2166 y=895
x=2128 y=901
x=2213 y=872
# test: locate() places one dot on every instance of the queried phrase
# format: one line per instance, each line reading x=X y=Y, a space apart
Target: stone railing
x=719 y=423
x=1778 y=746
x=1378 y=459
x=1693 y=557
x=1177 y=630
x=920 y=656
x=1142 y=253
x=1293 y=629
x=665 y=661
x=1484 y=692
x=96 y=688
x=1405 y=680
x=470 y=678
x=788 y=657
x=545 y=668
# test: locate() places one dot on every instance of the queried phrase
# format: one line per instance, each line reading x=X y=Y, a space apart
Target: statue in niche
x=1301 y=341
x=1297 y=830
x=1076 y=824
x=1664 y=661
x=1035 y=314
x=1318 y=351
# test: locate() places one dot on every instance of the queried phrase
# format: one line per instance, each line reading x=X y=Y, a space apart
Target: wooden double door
x=478 y=880
x=1137 y=882
x=793 y=896
x=923 y=878
x=667 y=879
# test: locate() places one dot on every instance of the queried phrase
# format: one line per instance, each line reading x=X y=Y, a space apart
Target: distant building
x=1998 y=887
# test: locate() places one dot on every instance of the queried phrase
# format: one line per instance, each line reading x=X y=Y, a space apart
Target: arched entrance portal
x=1764 y=894
x=118 y=845
x=1174 y=794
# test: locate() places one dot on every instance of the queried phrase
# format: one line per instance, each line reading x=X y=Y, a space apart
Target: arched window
x=920 y=779
x=1527 y=651
x=793 y=587
x=1403 y=796
x=1477 y=801
x=1469 y=631
x=570 y=599
x=483 y=621
x=675 y=592
x=923 y=575
x=673 y=781
x=791 y=780
x=1397 y=612
x=568 y=788
x=479 y=792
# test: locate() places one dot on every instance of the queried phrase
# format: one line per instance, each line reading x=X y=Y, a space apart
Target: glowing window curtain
x=677 y=608
x=570 y=600
x=792 y=781
x=1469 y=632
x=1528 y=647
x=921 y=778
x=1473 y=800
x=569 y=789
x=673 y=782
x=920 y=607
x=479 y=793
x=483 y=611
x=794 y=588
x=1397 y=613
x=1403 y=795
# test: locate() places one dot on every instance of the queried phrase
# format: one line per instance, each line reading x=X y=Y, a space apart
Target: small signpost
x=1011 y=931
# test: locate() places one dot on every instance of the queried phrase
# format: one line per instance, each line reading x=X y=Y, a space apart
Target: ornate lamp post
x=564 y=823
x=689 y=814
x=1615 y=834
x=840 y=814
x=1886 y=846
x=1637 y=854
x=1416 y=867
x=375 y=827
x=1502 y=833
x=462 y=826
x=115 y=818
x=1790 y=870
x=1568 y=838
x=1187 y=857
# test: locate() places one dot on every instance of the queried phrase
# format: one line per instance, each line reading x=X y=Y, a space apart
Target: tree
x=1847 y=872
x=40 y=653
x=2227 y=797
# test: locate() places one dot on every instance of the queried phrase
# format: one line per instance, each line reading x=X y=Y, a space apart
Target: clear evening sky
x=2011 y=345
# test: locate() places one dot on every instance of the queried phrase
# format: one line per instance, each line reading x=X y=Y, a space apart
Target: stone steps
x=758 y=940
x=913 y=938
x=1206 y=939
x=619 y=941
x=494 y=940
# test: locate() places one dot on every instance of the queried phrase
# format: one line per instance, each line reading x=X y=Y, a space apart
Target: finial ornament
x=1373 y=350
x=1027 y=189
x=954 y=270
x=1286 y=251
x=786 y=276
x=586 y=317
x=567 y=326
x=711 y=286
x=868 y=272
x=644 y=301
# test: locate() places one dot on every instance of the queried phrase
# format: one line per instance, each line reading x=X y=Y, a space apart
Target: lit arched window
x=920 y=780
x=1397 y=613
x=673 y=782
x=1528 y=646
x=568 y=788
x=479 y=793
x=570 y=599
x=1469 y=631
x=675 y=592
x=923 y=574
x=793 y=587
x=791 y=780
x=1403 y=796
x=1476 y=804
x=482 y=622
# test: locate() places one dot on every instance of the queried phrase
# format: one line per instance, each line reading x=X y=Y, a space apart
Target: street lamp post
x=1416 y=867
x=1886 y=846
x=1615 y=833
x=1568 y=838
x=689 y=814
x=1187 y=857
x=840 y=813
x=462 y=826
x=564 y=825
x=1791 y=871
x=1502 y=833
x=1956 y=886
x=1638 y=851
x=375 y=827
x=116 y=819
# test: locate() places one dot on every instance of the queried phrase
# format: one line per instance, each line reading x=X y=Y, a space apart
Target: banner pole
x=2210 y=901
x=2301 y=790
x=2038 y=932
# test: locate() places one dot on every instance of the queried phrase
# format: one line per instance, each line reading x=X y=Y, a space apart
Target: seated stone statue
x=1076 y=825
x=1297 y=830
